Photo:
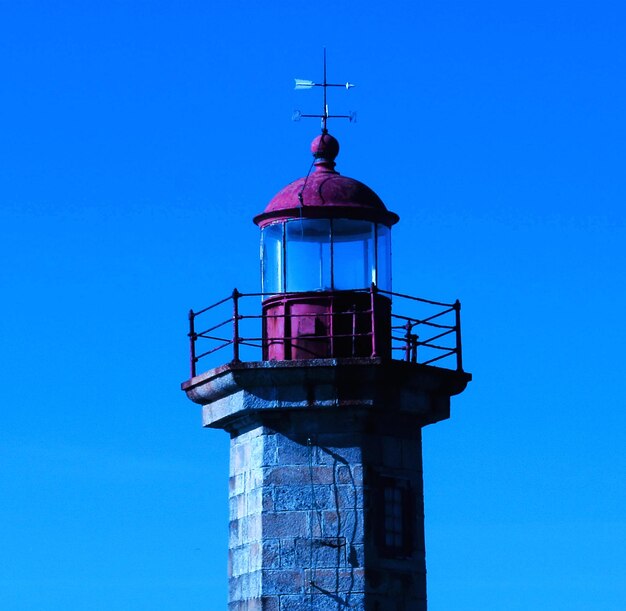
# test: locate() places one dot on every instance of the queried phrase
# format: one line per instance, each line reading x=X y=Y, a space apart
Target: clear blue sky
x=138 y=139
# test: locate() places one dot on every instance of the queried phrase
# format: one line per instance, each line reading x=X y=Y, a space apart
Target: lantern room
x=325 y=258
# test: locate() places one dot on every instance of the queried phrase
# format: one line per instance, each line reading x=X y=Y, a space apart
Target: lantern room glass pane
x=307 y=255
x=272 y=259
x=354 y=255
x=383 y=252
x=300 y=255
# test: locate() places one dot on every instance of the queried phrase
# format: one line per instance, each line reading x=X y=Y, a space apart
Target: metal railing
x=427 y=336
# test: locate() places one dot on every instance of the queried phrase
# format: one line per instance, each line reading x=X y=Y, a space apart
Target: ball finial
x=325 y=149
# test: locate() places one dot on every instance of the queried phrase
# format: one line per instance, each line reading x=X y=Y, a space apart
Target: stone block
x=255 y=457
x=254 y=584
x=239 y=560
x=267 y=498
x=271 y=553
x=255 y=478
x=321 y=602
x=270 y=448
x=299 y=474
x=348 y=496
x=316 y=526
x=263 y=450
x=245 y=588
x=282 y=581
x=255 y=556
x=327 y=552
x=301 y=602
x=333 y=452
x=285 y=524
x=235 y=592
x=302 y=497
x=356 y=554
x=288 y=553
x=237 y=506
x=350 y=474
x=236 y=484
x=240 y=456
x=254 y=501
x=348 y=524
x=252 y=526
x=270 y=603
x=342 y=582
x=235 y=534
x=246 y=605
x=291 y=452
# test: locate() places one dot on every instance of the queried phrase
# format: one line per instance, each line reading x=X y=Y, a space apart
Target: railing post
x=331 y=328
x=407 y=339
x=373 y=309
x=353 y=312
x=192 y=344
x=459 y=346
x=236 y=295
x=414 y=340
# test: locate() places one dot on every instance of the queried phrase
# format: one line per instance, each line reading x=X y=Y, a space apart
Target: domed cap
x=326 y=194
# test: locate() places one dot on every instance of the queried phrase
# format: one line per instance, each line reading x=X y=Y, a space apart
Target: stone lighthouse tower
x=325 y=419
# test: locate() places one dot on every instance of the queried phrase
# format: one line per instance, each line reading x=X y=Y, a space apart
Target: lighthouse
x=326 y=381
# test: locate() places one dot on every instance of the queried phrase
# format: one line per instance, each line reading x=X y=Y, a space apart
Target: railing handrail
x=338 y=291
x=407 y=342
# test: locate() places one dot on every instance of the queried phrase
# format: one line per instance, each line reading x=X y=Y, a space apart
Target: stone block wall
x=305 y=516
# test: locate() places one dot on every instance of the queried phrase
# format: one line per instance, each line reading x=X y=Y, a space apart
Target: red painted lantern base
x=326 y=325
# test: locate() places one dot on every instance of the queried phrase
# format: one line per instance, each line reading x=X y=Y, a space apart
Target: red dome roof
x=326 y=194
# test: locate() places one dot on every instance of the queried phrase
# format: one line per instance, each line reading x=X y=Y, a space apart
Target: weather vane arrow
x=306 y=84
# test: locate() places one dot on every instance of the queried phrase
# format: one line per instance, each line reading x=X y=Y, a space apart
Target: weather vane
x=304 y=84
